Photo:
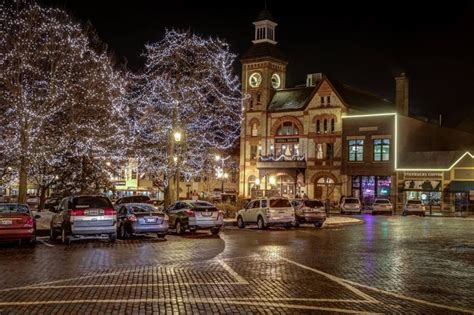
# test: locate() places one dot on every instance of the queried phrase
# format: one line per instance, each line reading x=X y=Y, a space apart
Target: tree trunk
x=42 y=197
x=23 y=181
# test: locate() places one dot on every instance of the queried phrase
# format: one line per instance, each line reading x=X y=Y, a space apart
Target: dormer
x=265 y=28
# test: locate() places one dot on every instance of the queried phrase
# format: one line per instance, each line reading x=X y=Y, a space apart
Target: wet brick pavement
x=393 y=265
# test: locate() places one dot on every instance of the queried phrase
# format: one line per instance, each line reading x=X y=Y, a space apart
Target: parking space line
x=223 y=301
x=349 y=285
x=233 y=273
x=333 y=278
x=47 y=244
x=403 y=297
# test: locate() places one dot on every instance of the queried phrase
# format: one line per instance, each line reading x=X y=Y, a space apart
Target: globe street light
x=177 y=136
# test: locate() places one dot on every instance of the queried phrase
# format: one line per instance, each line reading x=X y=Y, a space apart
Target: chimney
x=401 y=94
x=313 y=78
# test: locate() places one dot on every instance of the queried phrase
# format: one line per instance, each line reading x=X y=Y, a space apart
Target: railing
x=281 y=158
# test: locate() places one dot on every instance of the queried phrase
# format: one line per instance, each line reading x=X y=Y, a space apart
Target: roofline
x=263 y=59
x=396 y=145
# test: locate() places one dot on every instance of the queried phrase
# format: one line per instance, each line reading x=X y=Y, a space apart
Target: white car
x=351 y=205
x=267 y=212
x=414 y=207
x=382 y=206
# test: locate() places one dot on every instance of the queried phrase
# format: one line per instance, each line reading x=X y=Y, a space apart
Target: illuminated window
x=254 y=130
x=253 y=152
x=318 y=126
x=319 y=151
x=356 y=150
x=287 y=129
x=333 y=127
x=381 y=149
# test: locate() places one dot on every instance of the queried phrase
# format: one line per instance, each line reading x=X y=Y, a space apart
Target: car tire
x=179 y=228
x=288 y=226
x=215 y=231
x=318 y=225
x=260 y=223
x=113 y=237
x=240 y=222
x=161 y=236
x=53 y=236
x=65 y=239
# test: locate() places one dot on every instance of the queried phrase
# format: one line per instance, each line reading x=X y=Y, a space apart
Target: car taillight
x=29 y=222
x=132 y=217
x=190 y=213
x=76 y=212
x=109 y=211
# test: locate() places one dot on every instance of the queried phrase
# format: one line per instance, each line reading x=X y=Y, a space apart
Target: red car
x=17 y=223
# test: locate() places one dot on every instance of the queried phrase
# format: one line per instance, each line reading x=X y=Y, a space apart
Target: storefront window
x=367 y=188
x=383 y=186
x=356 y=150
x=381 y=149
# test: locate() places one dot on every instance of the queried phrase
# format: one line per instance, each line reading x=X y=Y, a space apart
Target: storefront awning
x=460 y=186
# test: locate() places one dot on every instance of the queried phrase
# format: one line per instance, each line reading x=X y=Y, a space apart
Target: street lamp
x=177 y=136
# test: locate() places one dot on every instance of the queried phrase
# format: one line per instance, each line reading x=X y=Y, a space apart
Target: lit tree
x=187 y=86
x=59 y=96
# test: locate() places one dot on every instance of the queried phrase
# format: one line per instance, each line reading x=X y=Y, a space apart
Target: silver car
x=414 y=207
x=85 y=216
x=267 y=212
x=309 y=211
x=382 y=206
x=141 y=218
x=351 y=205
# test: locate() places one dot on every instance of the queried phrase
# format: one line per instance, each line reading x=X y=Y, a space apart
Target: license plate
x=206 y=214
x=150 y=220
x=93 y=212
x=6 y=222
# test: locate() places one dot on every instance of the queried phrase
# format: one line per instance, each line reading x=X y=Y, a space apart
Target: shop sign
x=424 y=185
x=286 y=140
x=368 y=128
x=423 y=175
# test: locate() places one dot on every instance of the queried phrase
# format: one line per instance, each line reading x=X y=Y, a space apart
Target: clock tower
x=263 y=73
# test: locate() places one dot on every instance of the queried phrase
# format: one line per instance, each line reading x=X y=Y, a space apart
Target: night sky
x=361 y=44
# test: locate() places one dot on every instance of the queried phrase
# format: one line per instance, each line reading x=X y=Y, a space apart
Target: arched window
x=318 y=126
x=254 y=129
x=287 y=129
x=333 y=127
x=325 y=125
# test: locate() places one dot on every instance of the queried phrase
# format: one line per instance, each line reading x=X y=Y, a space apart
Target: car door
x=254 y=211
x=246 y=213
x=170 y=211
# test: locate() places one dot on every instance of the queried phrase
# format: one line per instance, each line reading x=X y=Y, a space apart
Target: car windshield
x=8 y=208
x=143 y=209
x=91 y=202
x=313 y=204
x=141 y=198
x=279 y=203
x=351 y=200
x=201 y=204
x=382 y=201
x=414 y=202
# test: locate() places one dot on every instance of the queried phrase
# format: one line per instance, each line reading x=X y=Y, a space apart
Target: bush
x=229 y=209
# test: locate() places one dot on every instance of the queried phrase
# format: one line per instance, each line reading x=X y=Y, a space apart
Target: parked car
x=133 y=199
x=32 y=201
x=141 y=218
x=84 y=216
x=267 y=212
x=17 y=223
x=350 y=205
x=309 y=211
x=382 y=206
x=51 y=203
x=414 y=207
x=194 y=215
x=159 y=204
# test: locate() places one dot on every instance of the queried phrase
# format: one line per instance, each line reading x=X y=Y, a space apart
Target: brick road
x=387 y=265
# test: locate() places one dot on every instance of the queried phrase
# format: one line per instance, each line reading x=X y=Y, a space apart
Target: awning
x=460 y=186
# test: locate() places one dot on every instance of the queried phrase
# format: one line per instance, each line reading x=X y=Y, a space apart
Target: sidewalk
x=330 y=222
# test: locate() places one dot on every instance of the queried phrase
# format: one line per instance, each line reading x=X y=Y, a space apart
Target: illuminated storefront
x=367 y=188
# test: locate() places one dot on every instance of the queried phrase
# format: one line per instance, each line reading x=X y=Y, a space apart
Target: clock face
x=255 y=79
x=276 y=82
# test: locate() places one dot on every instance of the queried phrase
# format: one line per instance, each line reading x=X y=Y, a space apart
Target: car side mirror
x=37 y=216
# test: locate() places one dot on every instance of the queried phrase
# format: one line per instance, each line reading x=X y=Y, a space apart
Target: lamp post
x=220 y=173
x=177 y=139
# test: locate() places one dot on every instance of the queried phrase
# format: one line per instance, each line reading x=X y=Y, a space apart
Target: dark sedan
x=17 y=223
x=141 y=218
